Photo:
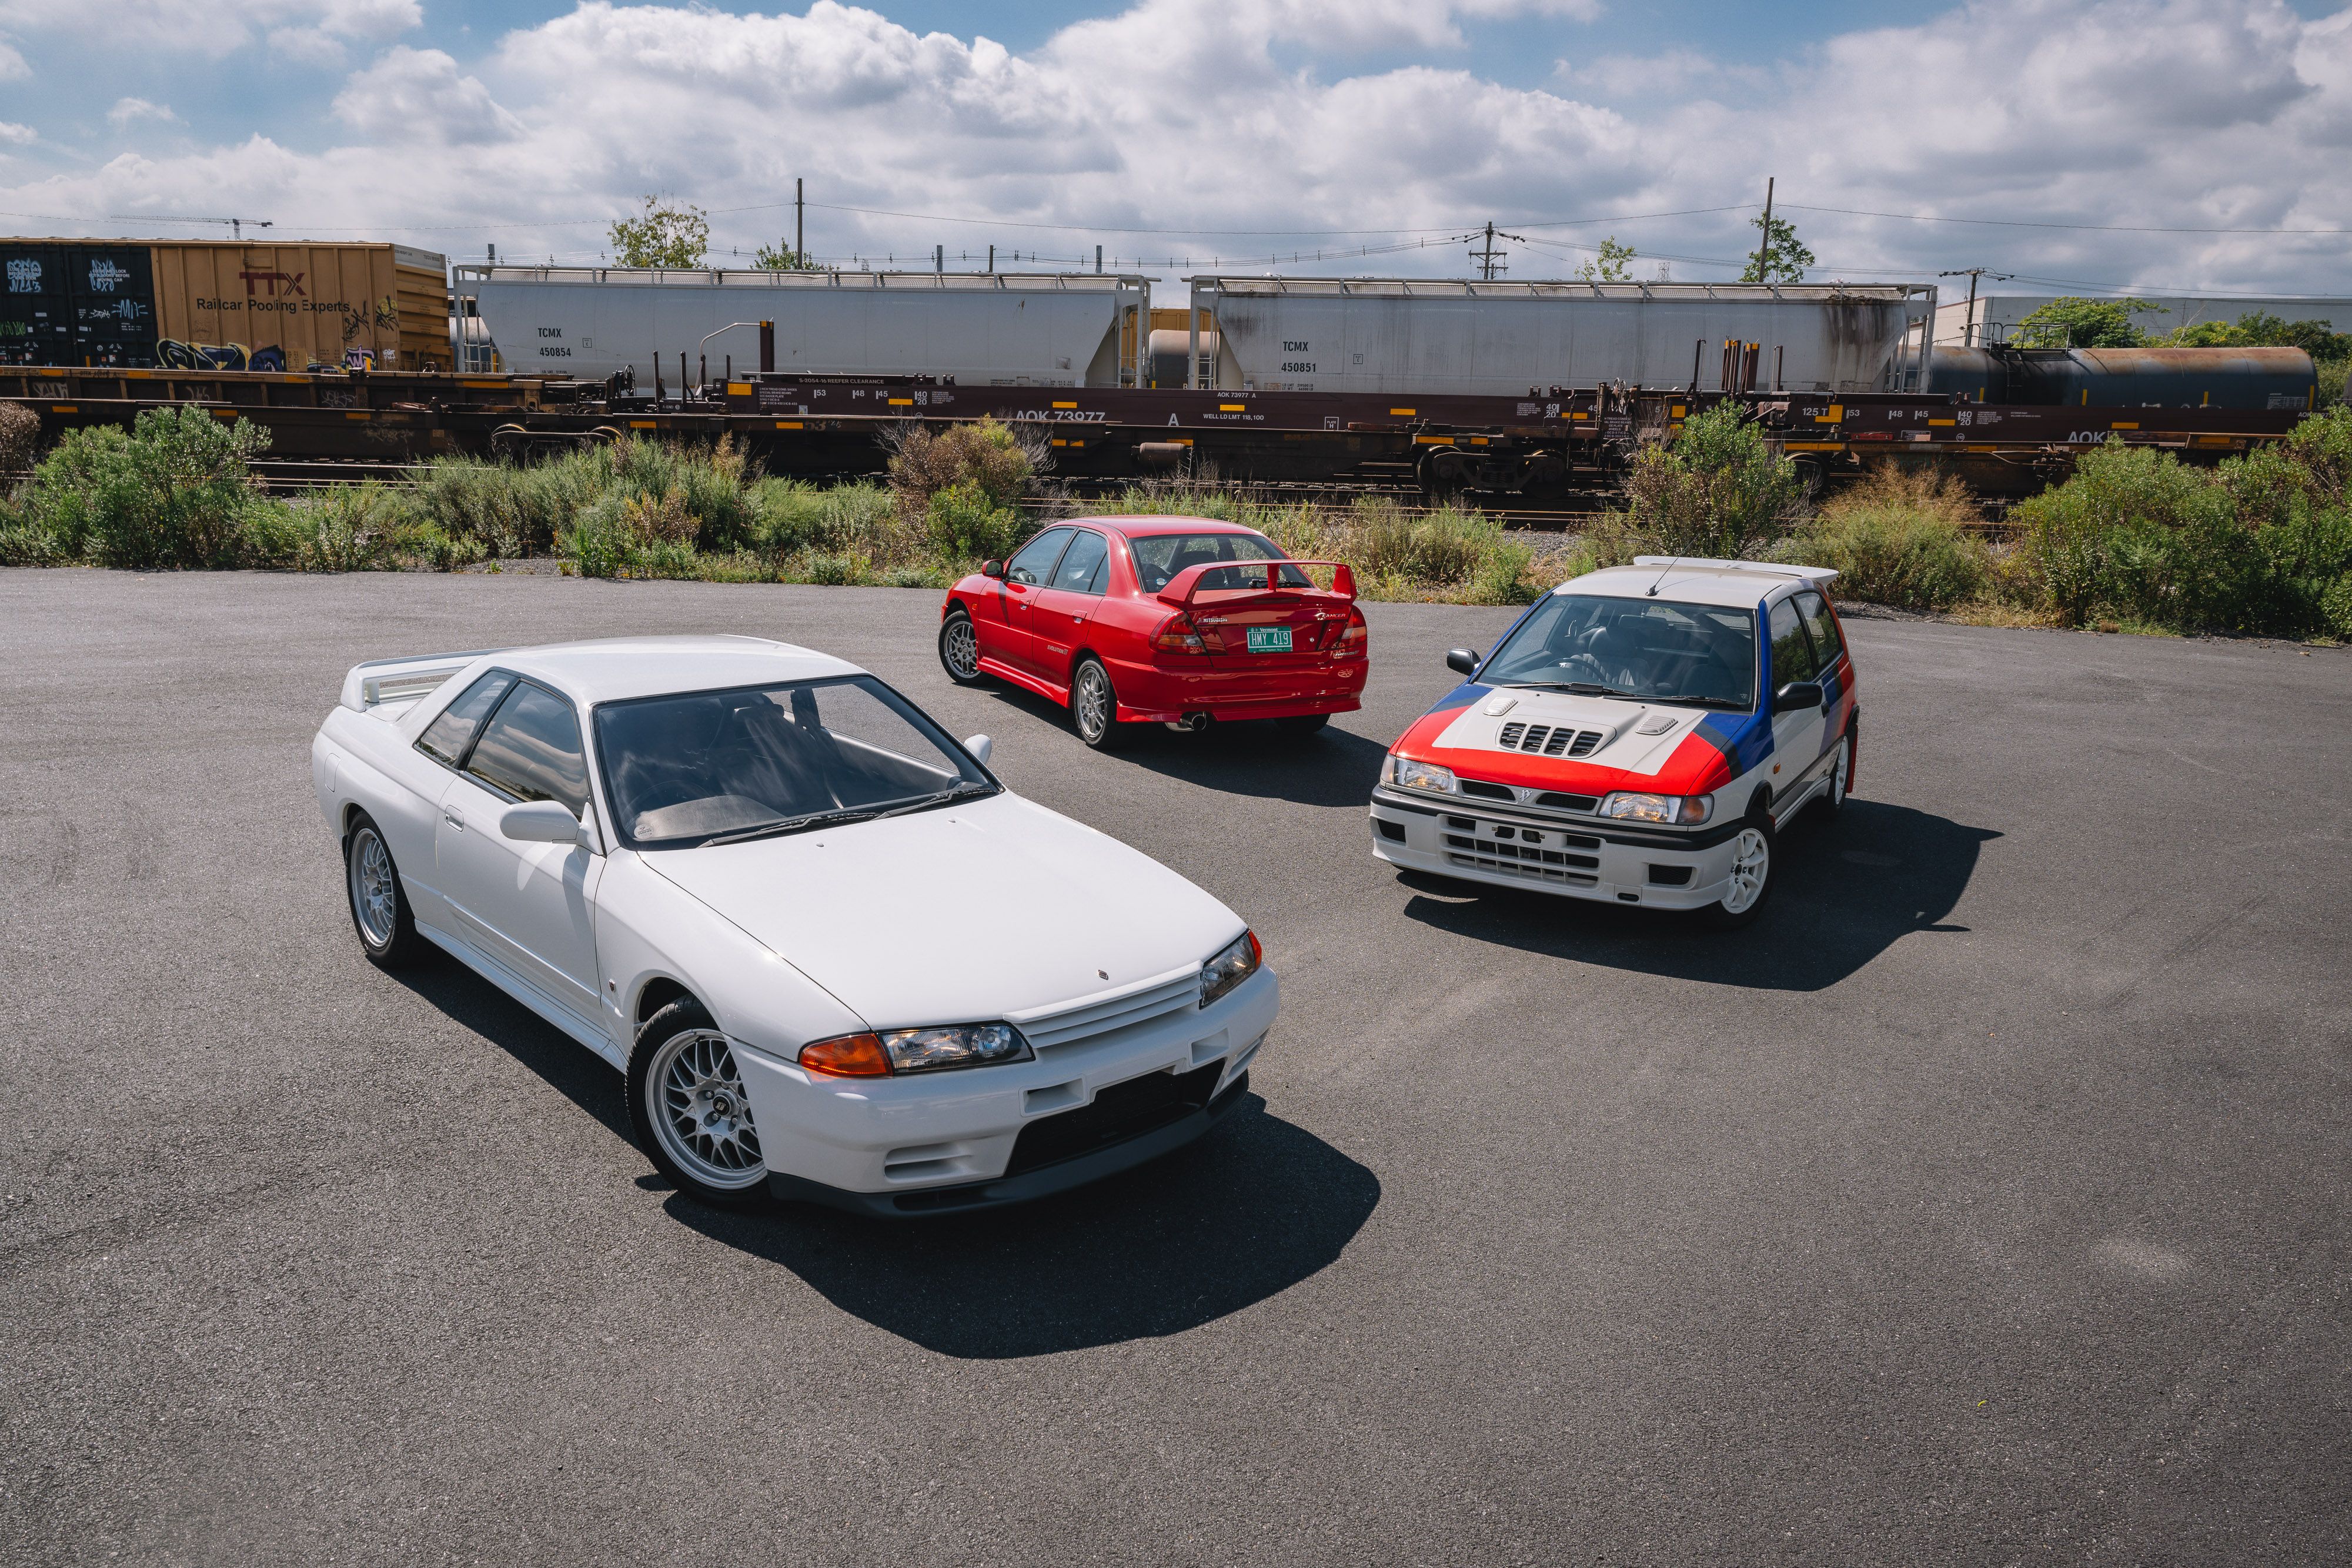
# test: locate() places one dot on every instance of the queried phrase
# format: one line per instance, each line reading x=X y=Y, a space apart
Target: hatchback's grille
x=1549 y=740
x=1522 y=860
x=1559 y=802
x=1485 y=790
x=1157 y=998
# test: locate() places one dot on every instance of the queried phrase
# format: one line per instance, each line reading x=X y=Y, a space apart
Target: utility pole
x=1969 y=332
x=1489 y=259
x=1764 y=249
x=800 y=243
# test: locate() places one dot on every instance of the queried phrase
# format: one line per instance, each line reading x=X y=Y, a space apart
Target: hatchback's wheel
x=1751 y=874
x=379 y=908
x=1841 y=777
x=1299 y=726
x=687 y=1105
x=960 y=649
x=1094 y=706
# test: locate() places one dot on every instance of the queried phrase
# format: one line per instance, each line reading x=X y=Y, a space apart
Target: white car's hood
x=960 y=914
x=1571 y=726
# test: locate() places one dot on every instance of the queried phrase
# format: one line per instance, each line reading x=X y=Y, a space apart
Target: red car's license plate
x=1269 y=639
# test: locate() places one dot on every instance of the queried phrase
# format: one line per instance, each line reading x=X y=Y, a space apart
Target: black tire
x=957 y=629
x=700 y=1128
x=1723 y=915
x=390 y=938
x=1095 y=713
x=1298 y=726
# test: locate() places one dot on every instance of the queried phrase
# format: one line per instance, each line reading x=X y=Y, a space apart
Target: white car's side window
x=446 y=737
x=530 y=750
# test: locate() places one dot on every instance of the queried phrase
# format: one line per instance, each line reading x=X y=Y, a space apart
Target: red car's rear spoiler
x=1187 y=582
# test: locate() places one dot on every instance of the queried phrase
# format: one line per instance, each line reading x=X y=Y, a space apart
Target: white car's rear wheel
x=378 y=907
x=688 y=1104
x=1841 y=777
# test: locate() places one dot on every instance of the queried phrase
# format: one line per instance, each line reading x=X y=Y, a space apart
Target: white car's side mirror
x=540 y=822
x=980 y=746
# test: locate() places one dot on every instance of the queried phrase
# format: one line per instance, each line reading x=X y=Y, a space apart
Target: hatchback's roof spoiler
x=381 y=681
x=1775 y=568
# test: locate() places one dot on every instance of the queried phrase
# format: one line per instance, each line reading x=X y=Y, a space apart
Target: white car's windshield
x=711 y=767
x=1650 y=649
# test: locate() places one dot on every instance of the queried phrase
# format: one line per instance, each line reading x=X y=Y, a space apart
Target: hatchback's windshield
x=758 y=760
x=1160 y=557
x=1649 y=649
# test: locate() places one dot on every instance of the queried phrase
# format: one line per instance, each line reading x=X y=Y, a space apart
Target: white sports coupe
x=839 y=961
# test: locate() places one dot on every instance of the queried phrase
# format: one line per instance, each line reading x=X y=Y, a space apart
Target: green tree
x=2076 y=323
x=1613 y=264
x=781 y=258
x=1780 y=257
x=670 y=234
x=2260 y=329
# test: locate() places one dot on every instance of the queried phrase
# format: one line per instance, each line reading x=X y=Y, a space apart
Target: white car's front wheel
x=1751 y=882
x=687 y=1105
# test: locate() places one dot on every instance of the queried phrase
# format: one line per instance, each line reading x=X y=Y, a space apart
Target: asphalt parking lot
x=1984 y=1203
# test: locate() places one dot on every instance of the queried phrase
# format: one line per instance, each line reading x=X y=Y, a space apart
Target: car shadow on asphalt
x=1331 y=767
x=1848 y=889
x=571 y=1069
x=1251 y=1209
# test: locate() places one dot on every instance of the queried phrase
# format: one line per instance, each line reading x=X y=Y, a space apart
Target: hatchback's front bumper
x=1606 y=862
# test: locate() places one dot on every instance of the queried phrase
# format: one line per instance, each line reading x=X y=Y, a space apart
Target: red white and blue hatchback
x=1640 y=736
x=1175 y=620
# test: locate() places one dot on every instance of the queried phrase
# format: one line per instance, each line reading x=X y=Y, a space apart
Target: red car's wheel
x=1094 y=706
x=960 y=649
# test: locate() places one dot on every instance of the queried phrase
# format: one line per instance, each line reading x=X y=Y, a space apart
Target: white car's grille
x=1522 y=860
x=1048 y=1028
x=1549 y=740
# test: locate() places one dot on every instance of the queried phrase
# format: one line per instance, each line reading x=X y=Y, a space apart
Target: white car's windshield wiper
x=1584 y=689
x=1694 y=700
x=835 y=819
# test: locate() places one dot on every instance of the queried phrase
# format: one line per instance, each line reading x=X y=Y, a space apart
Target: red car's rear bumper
x=1149 y=693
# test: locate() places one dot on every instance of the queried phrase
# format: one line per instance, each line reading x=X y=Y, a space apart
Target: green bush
x=1902 y=537
x=20 y=437
x=175 y=492
x=984 y=455
x=968 y=523
x=1717 y=491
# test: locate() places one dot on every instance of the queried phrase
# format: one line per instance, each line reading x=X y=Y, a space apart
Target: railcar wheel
x=689 y=1109
x=960 y=649
x=1094 y=706
x=1753 y=851
x=380 y=911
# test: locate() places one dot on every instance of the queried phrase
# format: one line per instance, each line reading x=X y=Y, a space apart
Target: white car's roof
x=613 y=668
x=1744 y=583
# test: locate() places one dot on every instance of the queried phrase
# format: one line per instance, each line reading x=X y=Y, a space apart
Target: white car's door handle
x=454 y=816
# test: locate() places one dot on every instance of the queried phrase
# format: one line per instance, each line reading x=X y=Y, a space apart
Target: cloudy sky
x=2158 y=144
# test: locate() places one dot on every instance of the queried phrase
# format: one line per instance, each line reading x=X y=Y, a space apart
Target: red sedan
x=1177 y=621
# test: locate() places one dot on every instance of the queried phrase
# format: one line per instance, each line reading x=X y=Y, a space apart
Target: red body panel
x=1034 y=635
x=1696 y=767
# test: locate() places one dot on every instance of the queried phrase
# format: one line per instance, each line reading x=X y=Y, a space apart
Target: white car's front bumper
x=943 y=1140
x=1609 y=862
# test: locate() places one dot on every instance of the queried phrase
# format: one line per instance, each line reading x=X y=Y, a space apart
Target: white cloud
x=16 y=135
x=127 y=110
x=418 y=95
x=1204 y=113
x=12 y=63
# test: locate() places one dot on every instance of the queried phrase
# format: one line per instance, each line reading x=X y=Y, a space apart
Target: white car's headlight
x=1235 y=962
x=1676 y=810
x=901 y=1051
x=1407 y=774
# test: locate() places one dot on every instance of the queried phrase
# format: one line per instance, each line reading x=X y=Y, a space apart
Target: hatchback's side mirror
x=1798 y=695
x=1462 y=660
x=980 y=746
x=991 y=568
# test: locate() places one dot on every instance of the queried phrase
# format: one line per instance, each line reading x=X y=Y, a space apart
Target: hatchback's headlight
x=1235 y=962
x=1410 y=775
x=899 y=1050
x=1676 y=810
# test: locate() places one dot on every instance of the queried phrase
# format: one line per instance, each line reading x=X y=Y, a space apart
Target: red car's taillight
x=1356 y=638
x=1177 y=634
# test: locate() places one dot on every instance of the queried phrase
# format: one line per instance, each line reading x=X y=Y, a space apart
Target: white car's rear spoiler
x=381 y=681
x=1808 y=573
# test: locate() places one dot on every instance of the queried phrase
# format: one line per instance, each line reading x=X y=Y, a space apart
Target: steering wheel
x=1599 y=676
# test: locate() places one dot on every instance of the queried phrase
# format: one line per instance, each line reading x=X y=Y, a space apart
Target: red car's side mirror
x=991 y=568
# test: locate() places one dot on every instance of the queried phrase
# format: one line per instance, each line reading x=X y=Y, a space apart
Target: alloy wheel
x=695 y=1099
x=1751 y=863
x=1090 y=703
x=375 y=897
x=960 y=644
